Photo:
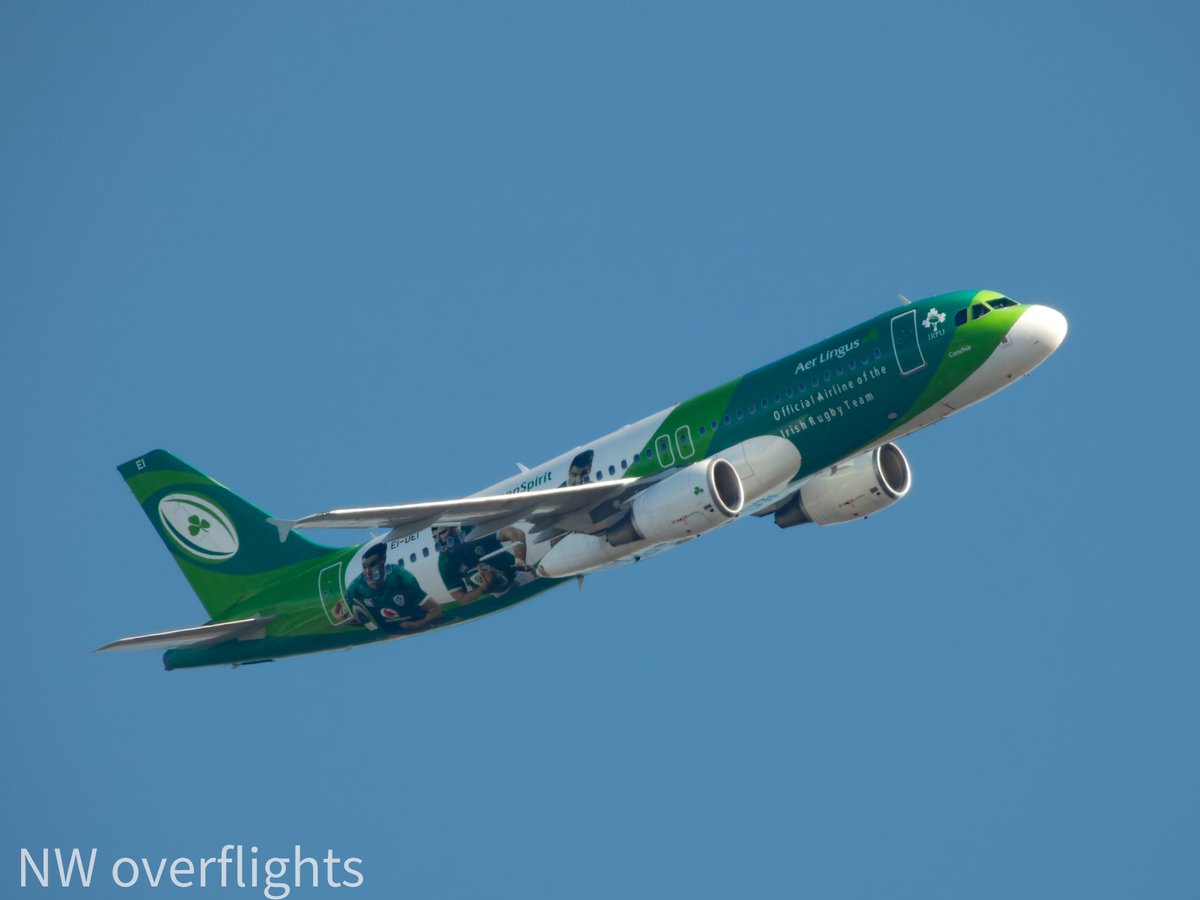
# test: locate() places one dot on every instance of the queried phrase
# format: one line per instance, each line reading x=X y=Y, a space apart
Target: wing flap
x=215 y=633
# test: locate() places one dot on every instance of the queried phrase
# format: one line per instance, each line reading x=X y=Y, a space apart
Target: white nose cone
x=1038 y=333
x=1046 y=327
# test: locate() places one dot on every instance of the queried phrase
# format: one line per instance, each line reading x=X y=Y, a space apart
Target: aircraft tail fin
x=227 y=548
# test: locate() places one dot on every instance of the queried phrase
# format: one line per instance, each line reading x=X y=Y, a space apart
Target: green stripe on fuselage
x=699 y=412
x=845 y=410
x=971 y=346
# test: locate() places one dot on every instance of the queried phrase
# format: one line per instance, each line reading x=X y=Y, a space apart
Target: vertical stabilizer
x=228 y=549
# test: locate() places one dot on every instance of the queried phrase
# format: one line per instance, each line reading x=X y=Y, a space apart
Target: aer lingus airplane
x=805 y=439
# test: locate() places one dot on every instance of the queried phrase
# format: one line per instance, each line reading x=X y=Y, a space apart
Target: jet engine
x=693 y=500
x=688 y=503
x=851 y=490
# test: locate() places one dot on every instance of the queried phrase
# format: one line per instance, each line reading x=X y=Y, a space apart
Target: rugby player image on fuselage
x=388 y=597
x=580 y=470
x=473 y=569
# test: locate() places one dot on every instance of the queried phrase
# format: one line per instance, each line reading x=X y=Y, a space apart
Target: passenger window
x=878 y=353
x=788 y=392
x=714 y=424
x=425 y=551
x=612 y=470
x=739 y=414
x=624 y=465
x=727 y=419
x=637 y=458
x=839 y=371
x=828 y=376
x=850 y=364
x=753 y=408
x=815 y=381
x=412 y=557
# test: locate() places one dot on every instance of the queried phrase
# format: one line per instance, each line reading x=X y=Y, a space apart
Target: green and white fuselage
x=807 y=438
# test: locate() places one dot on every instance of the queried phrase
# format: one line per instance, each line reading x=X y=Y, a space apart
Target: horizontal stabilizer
x=239 y=630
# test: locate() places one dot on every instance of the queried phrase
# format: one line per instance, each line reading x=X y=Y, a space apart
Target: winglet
x=285 y=527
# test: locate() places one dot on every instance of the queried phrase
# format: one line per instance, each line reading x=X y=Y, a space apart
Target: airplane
x=807 y=438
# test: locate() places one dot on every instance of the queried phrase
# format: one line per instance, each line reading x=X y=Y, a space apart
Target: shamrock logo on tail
x=198 y=526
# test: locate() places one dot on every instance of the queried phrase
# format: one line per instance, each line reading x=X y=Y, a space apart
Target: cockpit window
x=981 y=309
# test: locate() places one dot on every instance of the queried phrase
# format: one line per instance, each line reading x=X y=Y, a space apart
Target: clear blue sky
x=341 y=254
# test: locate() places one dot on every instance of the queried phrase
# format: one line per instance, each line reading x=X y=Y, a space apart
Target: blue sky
x=352 y=254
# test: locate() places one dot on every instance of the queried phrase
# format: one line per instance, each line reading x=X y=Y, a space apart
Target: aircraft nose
x=1045 y=326
x=1040 y=331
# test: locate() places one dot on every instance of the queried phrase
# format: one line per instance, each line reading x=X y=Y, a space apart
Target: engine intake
x=702 y=496
x=850 y=490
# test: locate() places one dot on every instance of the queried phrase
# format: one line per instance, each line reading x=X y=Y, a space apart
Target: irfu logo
x=697 y=490
x=933 y=322
x=197 y=525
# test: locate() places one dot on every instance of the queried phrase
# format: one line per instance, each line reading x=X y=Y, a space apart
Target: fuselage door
x=329 y=583
x=662 y=448
x=683 y=440
x=906 y=343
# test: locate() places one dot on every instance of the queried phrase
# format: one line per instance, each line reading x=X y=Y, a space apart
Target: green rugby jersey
x=397 y=599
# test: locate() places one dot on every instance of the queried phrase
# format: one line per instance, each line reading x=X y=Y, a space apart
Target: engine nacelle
x=850 y=490
x=690 y=502
x=693 y=500
x=763 y=463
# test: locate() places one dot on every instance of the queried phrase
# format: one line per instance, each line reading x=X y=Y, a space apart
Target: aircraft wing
x=553 y=510
x=216 y=633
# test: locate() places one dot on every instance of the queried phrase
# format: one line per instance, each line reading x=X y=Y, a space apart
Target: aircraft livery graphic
x=807 y=438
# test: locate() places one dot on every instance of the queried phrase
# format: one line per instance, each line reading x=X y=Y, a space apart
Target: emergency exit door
x=907 y=343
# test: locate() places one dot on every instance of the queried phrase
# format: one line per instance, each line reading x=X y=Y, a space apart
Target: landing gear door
x=906 y=343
